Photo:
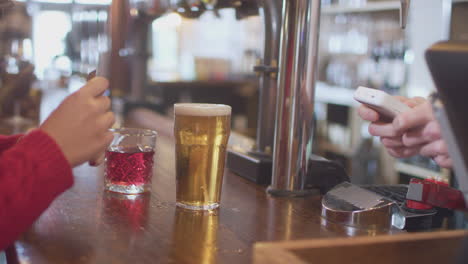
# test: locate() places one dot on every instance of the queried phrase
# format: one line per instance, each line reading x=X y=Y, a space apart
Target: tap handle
x=404 y=8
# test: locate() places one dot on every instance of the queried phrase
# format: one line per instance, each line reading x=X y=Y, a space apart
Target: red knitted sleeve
x=33 y=173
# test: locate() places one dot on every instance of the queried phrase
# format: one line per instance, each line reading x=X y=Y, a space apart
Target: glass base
x=127 y=189
x=198 y=207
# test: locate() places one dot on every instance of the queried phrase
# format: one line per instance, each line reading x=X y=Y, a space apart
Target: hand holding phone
x=385 y=104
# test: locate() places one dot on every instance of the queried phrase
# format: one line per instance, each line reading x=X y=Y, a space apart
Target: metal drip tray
x=341 y=210
x=377 y=207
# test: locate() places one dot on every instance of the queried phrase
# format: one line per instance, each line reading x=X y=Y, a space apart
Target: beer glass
x=201 y=132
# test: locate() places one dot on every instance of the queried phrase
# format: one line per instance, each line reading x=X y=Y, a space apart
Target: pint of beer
x=201 y=132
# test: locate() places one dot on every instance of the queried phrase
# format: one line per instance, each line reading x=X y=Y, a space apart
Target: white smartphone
x=380 y=101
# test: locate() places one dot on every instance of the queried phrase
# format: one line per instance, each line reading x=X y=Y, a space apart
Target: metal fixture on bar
x=295 y=101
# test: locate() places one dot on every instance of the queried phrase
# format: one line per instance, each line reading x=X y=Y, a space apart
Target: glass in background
x=347 y=43
x=88 y=39
x=363 y=50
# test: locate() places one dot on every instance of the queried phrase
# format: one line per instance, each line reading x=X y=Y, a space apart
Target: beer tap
x=295 y=102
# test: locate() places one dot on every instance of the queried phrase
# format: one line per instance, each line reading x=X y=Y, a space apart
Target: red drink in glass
x=129 y=168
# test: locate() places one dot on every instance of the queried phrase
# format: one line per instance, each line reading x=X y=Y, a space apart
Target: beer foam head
x=202 y=109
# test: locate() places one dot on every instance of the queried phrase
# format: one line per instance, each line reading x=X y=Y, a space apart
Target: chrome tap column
x=294 y=109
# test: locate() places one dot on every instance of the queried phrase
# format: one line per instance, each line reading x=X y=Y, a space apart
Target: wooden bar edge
x=285 y=252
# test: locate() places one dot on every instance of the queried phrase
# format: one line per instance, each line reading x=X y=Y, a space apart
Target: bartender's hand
x=411 y=133
x=80 y=125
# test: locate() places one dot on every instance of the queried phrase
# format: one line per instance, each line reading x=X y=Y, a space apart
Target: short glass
x=201 y=133
x=129 y=160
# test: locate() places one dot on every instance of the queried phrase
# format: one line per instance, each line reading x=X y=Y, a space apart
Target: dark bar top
x=89 y=225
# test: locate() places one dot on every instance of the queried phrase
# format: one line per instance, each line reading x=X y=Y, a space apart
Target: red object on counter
x=418 y=205
x=435 y=193
x=415 y=204
x=437 y=182
x=129 y=168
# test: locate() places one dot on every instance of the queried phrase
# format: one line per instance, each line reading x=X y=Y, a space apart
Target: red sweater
x=33 y=172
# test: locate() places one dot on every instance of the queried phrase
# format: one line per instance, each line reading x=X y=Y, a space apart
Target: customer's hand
x=80 y=125
x=410 y=133
x=421 y=131
x=390 y=137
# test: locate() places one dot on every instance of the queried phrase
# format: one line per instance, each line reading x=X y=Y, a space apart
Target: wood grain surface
x=406 y=248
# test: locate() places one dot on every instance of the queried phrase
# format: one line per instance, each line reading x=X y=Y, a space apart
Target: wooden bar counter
x=89 y=225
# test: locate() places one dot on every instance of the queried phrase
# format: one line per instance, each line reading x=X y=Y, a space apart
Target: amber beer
x=202 y=133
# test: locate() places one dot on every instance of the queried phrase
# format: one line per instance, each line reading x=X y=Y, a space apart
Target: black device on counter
x=255 y=167
x=258 y=168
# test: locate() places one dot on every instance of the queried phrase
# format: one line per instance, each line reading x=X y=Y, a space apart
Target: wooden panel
x=435 y=247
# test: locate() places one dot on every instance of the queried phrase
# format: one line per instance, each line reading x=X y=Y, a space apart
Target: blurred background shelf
x=331 y=94
x=419 y=172
x=337 y=149
x=369 y=7
x=195 y=84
